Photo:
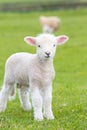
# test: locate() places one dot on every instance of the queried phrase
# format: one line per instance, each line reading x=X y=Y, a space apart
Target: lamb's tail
x=12 y=93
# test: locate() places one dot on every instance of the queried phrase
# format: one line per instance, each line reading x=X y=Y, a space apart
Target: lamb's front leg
x=37 y=103
x=47 y=103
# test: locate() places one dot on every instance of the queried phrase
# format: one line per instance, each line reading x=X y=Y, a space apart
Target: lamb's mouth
x=47 y=56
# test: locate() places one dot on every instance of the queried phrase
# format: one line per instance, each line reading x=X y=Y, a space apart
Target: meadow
x=70 y=84
x=39 y=1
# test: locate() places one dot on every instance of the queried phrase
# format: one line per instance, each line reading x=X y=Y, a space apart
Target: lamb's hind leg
x=12 y=93
x=4 y=94
x=24 y=98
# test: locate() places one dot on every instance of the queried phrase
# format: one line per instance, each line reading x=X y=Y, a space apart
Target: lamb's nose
x=47 y=53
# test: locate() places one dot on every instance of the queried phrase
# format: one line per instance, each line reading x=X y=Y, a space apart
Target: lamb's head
x=46 y=44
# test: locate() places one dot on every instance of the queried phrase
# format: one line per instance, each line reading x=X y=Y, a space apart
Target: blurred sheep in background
x=50 y=24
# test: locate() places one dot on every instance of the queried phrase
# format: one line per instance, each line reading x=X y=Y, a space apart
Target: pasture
x=38 y=1
x=70 y=84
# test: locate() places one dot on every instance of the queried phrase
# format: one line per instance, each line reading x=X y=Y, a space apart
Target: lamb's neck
x=44 y=68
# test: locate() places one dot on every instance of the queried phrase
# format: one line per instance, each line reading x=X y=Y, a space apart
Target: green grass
x=70 y=84
x=36 y=1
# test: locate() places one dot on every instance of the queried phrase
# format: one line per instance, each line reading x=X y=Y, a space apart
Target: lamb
x=34 y=72
x=49 y=24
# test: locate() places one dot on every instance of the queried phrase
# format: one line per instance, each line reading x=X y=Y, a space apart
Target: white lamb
x=49 y=24
x=34 y=71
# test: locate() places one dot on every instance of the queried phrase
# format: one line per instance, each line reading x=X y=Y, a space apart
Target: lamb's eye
x=54 y=45
x=39 y=46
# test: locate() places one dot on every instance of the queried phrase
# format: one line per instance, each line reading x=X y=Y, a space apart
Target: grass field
x=70 y=84
x=45 y=1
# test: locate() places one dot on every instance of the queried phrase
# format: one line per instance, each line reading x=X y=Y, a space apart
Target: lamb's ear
x=61 y=39
x=30 y=40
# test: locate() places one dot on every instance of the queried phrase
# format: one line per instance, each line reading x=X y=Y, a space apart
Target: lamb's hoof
x=38 y=117
x=27 y=107
x=2 y=108
x=49 y=116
